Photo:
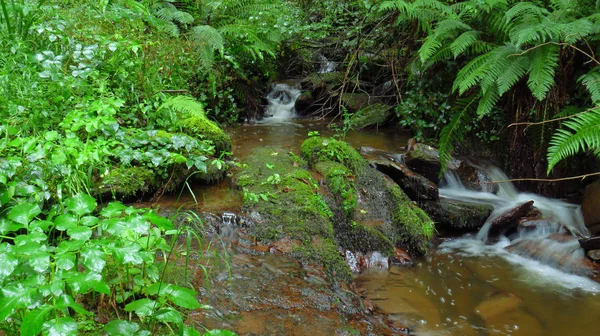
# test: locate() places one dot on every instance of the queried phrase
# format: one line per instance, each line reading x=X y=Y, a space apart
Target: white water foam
x=282 y=101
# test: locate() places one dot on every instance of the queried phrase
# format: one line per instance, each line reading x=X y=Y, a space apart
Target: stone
x=509 y=219
x=498 y=304
x=370 y=116
x=590 y=243
x=474 y=178
x=425 y=160
x=590 y=207
x=594 y=255
x=457 y=215
x=416 y=186
x=401 y=258
x=355 y=101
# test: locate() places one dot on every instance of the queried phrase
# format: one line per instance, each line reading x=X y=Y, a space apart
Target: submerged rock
x=590 y=243
x=476 y=179
x=458 y=215
x=594 y=255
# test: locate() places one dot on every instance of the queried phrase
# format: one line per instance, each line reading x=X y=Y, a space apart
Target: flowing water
x=462 y=287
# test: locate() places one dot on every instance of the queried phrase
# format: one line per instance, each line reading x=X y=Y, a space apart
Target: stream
x=462 y=287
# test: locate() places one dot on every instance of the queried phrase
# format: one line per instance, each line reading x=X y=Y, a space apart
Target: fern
x=465 y=41
x=582 y=133
x=541 y=70
x=454 y=132
x=591 y=81
x=512 y=73
x=189 y=106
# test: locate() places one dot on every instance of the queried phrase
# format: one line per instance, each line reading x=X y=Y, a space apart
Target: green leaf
x=190 y=331
x=24 y=213
x=121 y=328
x=80 y=233
x=129 y=254
x=169 y=315
x=34 y=320
x=89 y=221
x=66 y=301
x=113 y=209
x=65 y=261
x=81 y=204
x=83 y=283
x=8 y=263
x=160 y=221
x=181 y=296
x=64 y=326
x=15 y=296
x=544 y=60
x=40 y=262
x=93 y=258
x=142 y=307
x=65 y=222
x=6 y=226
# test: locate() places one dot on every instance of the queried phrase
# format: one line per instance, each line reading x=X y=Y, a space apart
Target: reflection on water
x=463 y=290
x=290 y=134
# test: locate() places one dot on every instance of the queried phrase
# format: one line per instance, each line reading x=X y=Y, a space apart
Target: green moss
x=198 y=126
x=331 y=78
x=339 y=181
x=293 y=207
x=417 y=227
x=317 y=149
x=127 y=181
x=366 y=239
x=355 y=101
x=372 y=115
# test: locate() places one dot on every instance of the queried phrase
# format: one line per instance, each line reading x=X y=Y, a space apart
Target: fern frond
x=591 y=81
x=429 y=47
x=455 y=130
x=168 y=12
x=464 y=42
x=581 y=133
x=511 y=74
x=471 y=73
x=488 y=100
x=184 y=104
x=544 y=60
x=207 y=37
x=523 y=10
x=442 y=54
x=575 y=31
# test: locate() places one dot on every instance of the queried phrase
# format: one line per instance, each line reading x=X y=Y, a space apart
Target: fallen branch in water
x=583 y=177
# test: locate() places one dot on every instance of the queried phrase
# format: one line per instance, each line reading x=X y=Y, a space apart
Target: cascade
x=541 y=243
x=326 y=66
x=282 y=99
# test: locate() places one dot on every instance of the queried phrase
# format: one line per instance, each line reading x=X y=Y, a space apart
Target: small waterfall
x=282 y=99
x=552 y=241
x=326 y=66
x=556 y=212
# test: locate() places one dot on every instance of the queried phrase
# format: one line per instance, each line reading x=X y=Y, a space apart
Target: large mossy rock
x=370 y=116
x=201 y=127
x=284 y=202
x=455 y=215
x=374 y=201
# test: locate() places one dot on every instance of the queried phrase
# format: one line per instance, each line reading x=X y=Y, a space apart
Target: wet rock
x=355 y=101
x=564 y=256
x=590 y=243
x=374 y=260
x=458 y=215
x=590 y=207
x=416 y=186
x=594 y=255
x=476 y=179
x=425 y=160
x=509 y=219
x=372 y=115
x=304 y=102
x=401 y=258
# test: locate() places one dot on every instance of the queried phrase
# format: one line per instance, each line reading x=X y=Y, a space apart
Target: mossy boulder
x=355 y=101
x=381 y=204
x=124 y=182
x=201 y=127
x=372 y=115
x=285 y=200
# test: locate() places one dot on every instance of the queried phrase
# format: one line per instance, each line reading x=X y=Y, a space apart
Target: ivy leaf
x=6 y=226
x=40 y=262
x=169 y=315
x=66 y=301
x=65 y=222
x=65 y=261
x=24 y=213
x=129 y=254
x=80 y=233
x=190 y=331
x=142 y=307
x=121 y=328
x=81 y=204
x=181 y=296
x=8 y=263
x=64 y=326
x=137 y=224
x=160 y=221
x=83 y=283
x=15 y=297
x=34 y=320
x=93 y=258
x=89 y=221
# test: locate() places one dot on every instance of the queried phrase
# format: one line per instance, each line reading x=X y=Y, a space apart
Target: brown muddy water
x=462 y=287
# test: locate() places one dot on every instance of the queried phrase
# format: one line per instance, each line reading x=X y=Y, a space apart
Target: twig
x=582 y=177
x=591 y=57
x=553 y=120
